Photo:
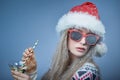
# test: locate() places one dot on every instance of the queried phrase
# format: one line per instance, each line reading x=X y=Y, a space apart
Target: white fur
x=79 y=20
x=101 y=49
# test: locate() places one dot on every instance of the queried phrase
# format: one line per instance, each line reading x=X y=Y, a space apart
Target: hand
x=20 y=76
x=29 y=59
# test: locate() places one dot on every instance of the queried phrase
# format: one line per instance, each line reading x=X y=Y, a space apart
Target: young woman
x=81 y=38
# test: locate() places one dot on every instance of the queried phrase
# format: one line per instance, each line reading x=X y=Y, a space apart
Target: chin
x=79 y=54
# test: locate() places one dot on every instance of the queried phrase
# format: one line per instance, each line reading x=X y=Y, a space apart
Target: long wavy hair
x=61 y=68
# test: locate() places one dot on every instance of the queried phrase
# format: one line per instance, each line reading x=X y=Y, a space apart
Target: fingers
x=29 y=53
x=30 y=50
x=19 y=76
x=29 y=59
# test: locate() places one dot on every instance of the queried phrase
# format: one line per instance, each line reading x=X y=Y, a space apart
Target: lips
x=80 y=49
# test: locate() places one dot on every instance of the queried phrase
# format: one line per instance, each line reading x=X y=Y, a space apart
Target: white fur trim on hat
x=81 y=20
x=100 y=49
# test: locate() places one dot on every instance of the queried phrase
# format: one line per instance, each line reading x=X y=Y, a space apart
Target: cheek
x=71 y=47
x=71 y=44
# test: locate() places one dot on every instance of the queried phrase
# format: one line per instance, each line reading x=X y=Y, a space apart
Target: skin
x=29 y=56
x=30 y=62
x=74 y=47
x=19 y=76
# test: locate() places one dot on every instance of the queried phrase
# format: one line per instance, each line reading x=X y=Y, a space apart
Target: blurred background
x=22 y=22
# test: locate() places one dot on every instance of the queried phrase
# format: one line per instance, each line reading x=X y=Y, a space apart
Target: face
x=80 y=41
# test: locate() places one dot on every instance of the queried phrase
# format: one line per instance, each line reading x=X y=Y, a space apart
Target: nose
x=82 y=41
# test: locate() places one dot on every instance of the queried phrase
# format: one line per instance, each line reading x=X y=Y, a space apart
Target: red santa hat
x=84 y=16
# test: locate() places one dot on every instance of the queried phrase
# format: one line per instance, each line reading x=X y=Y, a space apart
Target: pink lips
x=80 y=49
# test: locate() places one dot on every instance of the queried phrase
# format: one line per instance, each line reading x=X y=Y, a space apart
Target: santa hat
x=84 y=16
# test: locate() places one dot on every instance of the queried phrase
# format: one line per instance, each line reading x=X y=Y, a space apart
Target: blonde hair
x=60 y=68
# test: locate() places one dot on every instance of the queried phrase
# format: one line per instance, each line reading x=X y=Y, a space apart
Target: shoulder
x=87 y=72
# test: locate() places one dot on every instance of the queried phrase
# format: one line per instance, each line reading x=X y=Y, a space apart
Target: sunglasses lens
x=76 y=35
x=91 y=39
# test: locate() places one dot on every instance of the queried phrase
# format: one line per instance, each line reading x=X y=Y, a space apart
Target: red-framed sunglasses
x=90 y=38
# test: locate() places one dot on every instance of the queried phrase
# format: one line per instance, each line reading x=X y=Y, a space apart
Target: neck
x=72 y=58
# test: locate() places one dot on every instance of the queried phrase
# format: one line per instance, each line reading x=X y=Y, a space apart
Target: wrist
x=33 y=75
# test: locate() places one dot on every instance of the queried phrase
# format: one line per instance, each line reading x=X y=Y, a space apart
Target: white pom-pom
x=101 y=49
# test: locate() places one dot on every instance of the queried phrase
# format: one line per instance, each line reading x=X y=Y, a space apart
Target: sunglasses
x=76 y=35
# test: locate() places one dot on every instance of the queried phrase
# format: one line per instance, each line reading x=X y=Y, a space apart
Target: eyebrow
x=88 y=32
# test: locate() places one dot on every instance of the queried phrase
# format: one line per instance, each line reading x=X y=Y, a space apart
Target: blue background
x=22 y=22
